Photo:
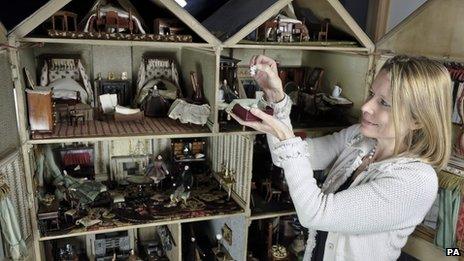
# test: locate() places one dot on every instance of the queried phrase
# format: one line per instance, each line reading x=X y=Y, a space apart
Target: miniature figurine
x=228 y=93
x=182 y=192
x=186 y=151
x=157 y=169
x=133 y=256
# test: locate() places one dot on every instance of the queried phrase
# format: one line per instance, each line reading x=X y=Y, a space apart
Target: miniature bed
x=160 y=72
x=66 y=74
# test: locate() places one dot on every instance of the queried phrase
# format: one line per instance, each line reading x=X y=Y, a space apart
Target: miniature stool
x=63 y=15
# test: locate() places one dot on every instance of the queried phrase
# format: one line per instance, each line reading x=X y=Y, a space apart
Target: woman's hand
x=269 y=125
x=267 y=77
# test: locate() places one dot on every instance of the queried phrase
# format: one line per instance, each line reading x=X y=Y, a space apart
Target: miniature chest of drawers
x=40 y=109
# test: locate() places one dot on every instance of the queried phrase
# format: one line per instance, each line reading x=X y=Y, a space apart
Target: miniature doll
x=182 y=191
x=157 y=169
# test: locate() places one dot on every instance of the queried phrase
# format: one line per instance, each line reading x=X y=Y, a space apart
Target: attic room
x=231 y=130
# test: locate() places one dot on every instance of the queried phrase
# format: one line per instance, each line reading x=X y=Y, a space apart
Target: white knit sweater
x=370 y=220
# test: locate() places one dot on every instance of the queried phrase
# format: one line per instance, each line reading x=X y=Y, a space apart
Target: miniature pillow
x=68 y=85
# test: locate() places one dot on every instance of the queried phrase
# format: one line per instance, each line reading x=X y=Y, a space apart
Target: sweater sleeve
x=322 y=150
x=399 y=199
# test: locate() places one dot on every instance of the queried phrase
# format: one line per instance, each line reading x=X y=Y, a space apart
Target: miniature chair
x=271 y=192
x=314 y=81
x=324 y=30
x=270 y=30
x=63 y=15
x=264 y=185
x=307 y=93
x=75 y=116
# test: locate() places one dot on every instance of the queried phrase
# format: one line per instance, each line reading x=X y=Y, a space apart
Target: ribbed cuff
x=291 y=149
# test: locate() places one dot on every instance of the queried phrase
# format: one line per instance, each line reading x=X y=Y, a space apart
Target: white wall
x=400 y=9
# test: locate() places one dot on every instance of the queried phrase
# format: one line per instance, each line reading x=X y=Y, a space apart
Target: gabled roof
x=339 y=18
x=434 y=29
x=3 y=33
x=148 y=6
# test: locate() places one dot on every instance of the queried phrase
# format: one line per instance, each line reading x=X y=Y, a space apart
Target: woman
x=382 y=178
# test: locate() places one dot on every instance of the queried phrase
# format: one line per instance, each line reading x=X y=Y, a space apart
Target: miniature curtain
x=141 y=78
x=86 y=81
x=44 y=75
x=9 y=225
x=460 y=226
x=447 y=217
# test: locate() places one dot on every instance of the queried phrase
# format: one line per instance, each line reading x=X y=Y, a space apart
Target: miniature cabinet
x=121 y=144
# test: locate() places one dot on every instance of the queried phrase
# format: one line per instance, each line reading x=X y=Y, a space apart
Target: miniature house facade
x=128 y=48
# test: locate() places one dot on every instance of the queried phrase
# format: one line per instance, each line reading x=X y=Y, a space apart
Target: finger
x=262 y=115
x=252 y=124
x=261 y=59
x=264 y=68
x=253 y=60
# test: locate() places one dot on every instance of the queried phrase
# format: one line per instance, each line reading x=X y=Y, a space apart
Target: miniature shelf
x=114 y=42
x=233 y=130
x=128 y=226
x=316 y=46
x=162 y=127
x=273 y=214
x=150 y=208
x=264 y=209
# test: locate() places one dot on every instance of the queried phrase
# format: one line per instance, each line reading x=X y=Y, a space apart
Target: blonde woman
x=381 y=180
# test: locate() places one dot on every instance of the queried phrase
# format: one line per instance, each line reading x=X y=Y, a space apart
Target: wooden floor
x=150 y=126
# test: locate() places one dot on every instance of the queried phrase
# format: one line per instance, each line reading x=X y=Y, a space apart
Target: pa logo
x=452 y=252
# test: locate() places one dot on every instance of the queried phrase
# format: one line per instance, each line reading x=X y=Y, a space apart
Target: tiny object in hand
x=253 y=70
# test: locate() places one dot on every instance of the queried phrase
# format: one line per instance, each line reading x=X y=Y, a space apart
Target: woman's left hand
x=269 y=125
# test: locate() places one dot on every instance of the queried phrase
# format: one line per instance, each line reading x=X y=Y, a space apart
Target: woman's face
x=377 y=119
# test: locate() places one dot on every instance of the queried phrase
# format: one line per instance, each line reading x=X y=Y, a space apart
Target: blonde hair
x=421 y=95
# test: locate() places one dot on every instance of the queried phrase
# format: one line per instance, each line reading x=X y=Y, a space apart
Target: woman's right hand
x=267 y=77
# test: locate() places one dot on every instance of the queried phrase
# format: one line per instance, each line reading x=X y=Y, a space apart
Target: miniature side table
x=64 y=15
x=48 y=217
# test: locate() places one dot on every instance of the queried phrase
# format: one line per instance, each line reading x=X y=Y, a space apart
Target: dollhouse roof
x=202 y=16
x=339 y=18
x=33 y=18
x=315 y=10
x=428 y=31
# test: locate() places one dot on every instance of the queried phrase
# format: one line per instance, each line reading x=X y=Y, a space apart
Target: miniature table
x=227 y=181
